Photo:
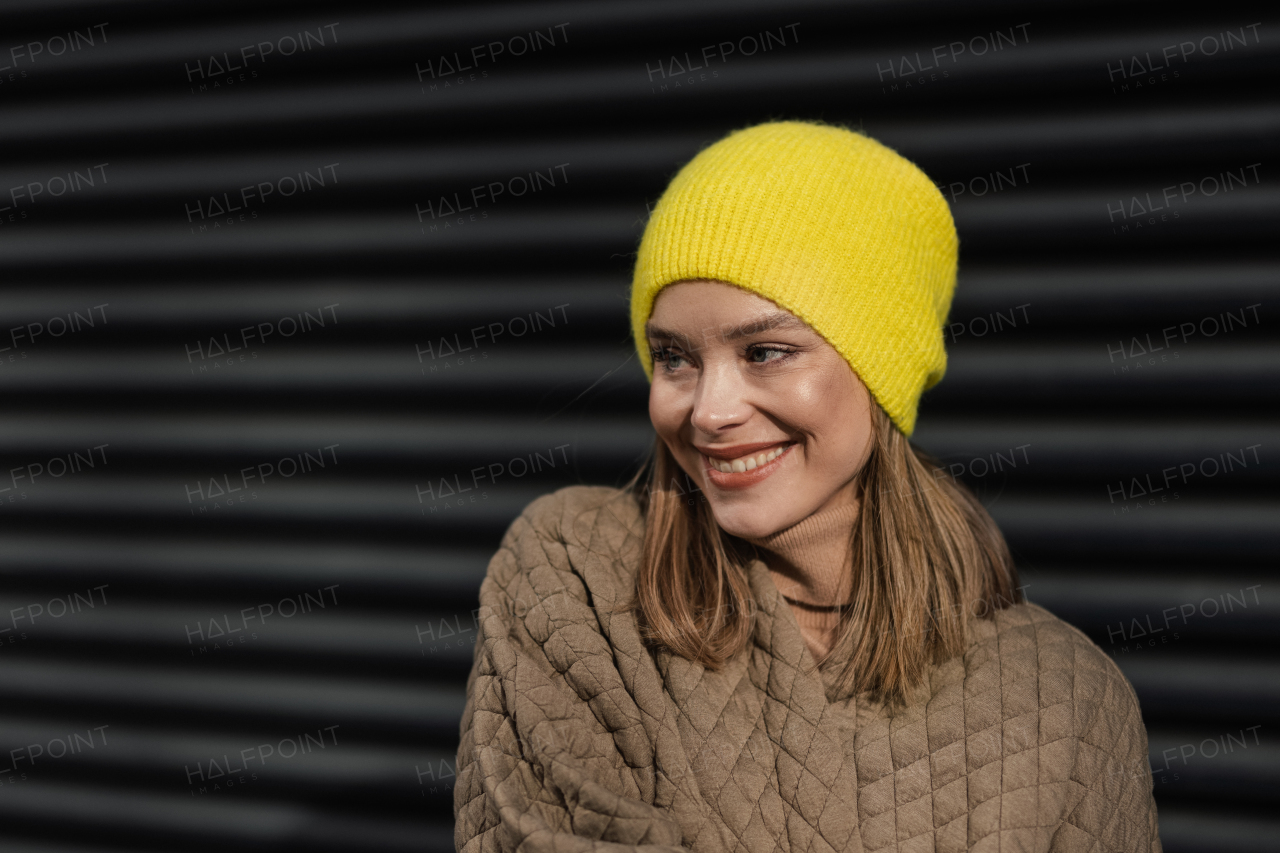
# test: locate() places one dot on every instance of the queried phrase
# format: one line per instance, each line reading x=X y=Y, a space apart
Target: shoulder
x=581 y=538
x=1025 y=656
x=582 y=515
x=1035 y=705
x=1027 y=641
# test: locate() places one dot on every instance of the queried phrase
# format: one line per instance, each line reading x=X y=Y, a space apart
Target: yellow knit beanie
x=827 y=223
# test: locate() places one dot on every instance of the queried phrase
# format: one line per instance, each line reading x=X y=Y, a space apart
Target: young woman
x=794 y=631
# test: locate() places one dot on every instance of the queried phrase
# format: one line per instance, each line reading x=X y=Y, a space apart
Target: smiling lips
x=748 y=465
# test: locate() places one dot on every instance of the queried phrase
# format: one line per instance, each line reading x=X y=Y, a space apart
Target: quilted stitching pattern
x=577 y=737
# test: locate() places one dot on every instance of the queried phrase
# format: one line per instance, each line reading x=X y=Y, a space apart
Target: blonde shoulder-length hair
x=927 y=558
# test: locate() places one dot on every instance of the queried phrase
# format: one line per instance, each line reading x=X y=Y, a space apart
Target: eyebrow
x=775 y=321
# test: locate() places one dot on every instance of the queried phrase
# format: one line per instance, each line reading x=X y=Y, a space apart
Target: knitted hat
x=827 y=223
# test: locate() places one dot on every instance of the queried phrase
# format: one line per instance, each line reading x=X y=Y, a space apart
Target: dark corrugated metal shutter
x=299 y=312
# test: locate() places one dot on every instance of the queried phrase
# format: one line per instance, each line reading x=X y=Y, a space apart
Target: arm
x=537 y=771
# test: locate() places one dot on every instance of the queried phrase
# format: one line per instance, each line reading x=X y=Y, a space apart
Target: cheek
x=666 y=410
x=833 y=406
x=818 y=401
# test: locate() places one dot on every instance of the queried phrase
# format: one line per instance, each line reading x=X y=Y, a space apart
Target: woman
x=795 y=632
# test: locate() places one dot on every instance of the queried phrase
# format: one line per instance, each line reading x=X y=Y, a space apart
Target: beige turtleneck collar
x=813 y=569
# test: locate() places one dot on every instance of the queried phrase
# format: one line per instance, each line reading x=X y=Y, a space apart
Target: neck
x=810 y=561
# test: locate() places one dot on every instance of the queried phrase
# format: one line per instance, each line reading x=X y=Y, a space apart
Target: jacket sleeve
x=1118 y=809
x=537 y=771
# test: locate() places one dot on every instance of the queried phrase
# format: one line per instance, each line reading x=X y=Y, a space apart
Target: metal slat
x=1051 y=218
x=195 y=561
x=300 y=699
x=198 y=824
x=1059 y=298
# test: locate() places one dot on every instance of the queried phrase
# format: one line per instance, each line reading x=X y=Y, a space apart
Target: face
x=759 y=410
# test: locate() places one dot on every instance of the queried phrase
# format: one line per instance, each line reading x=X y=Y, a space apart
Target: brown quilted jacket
x=576 y=736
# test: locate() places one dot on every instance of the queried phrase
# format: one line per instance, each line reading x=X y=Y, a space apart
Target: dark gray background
x=1063 y=385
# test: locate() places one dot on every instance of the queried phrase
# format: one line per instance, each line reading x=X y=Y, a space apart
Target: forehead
x=716 y=309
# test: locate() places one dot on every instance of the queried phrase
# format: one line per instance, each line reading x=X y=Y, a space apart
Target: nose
x=719 y=401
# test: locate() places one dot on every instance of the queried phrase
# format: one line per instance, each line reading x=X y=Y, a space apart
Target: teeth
x=746 y=463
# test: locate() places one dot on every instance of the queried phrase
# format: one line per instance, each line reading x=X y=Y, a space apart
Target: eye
x=670 y=359
x=763 y=354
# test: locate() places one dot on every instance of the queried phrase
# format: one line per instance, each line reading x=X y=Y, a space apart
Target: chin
x=747 y=521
